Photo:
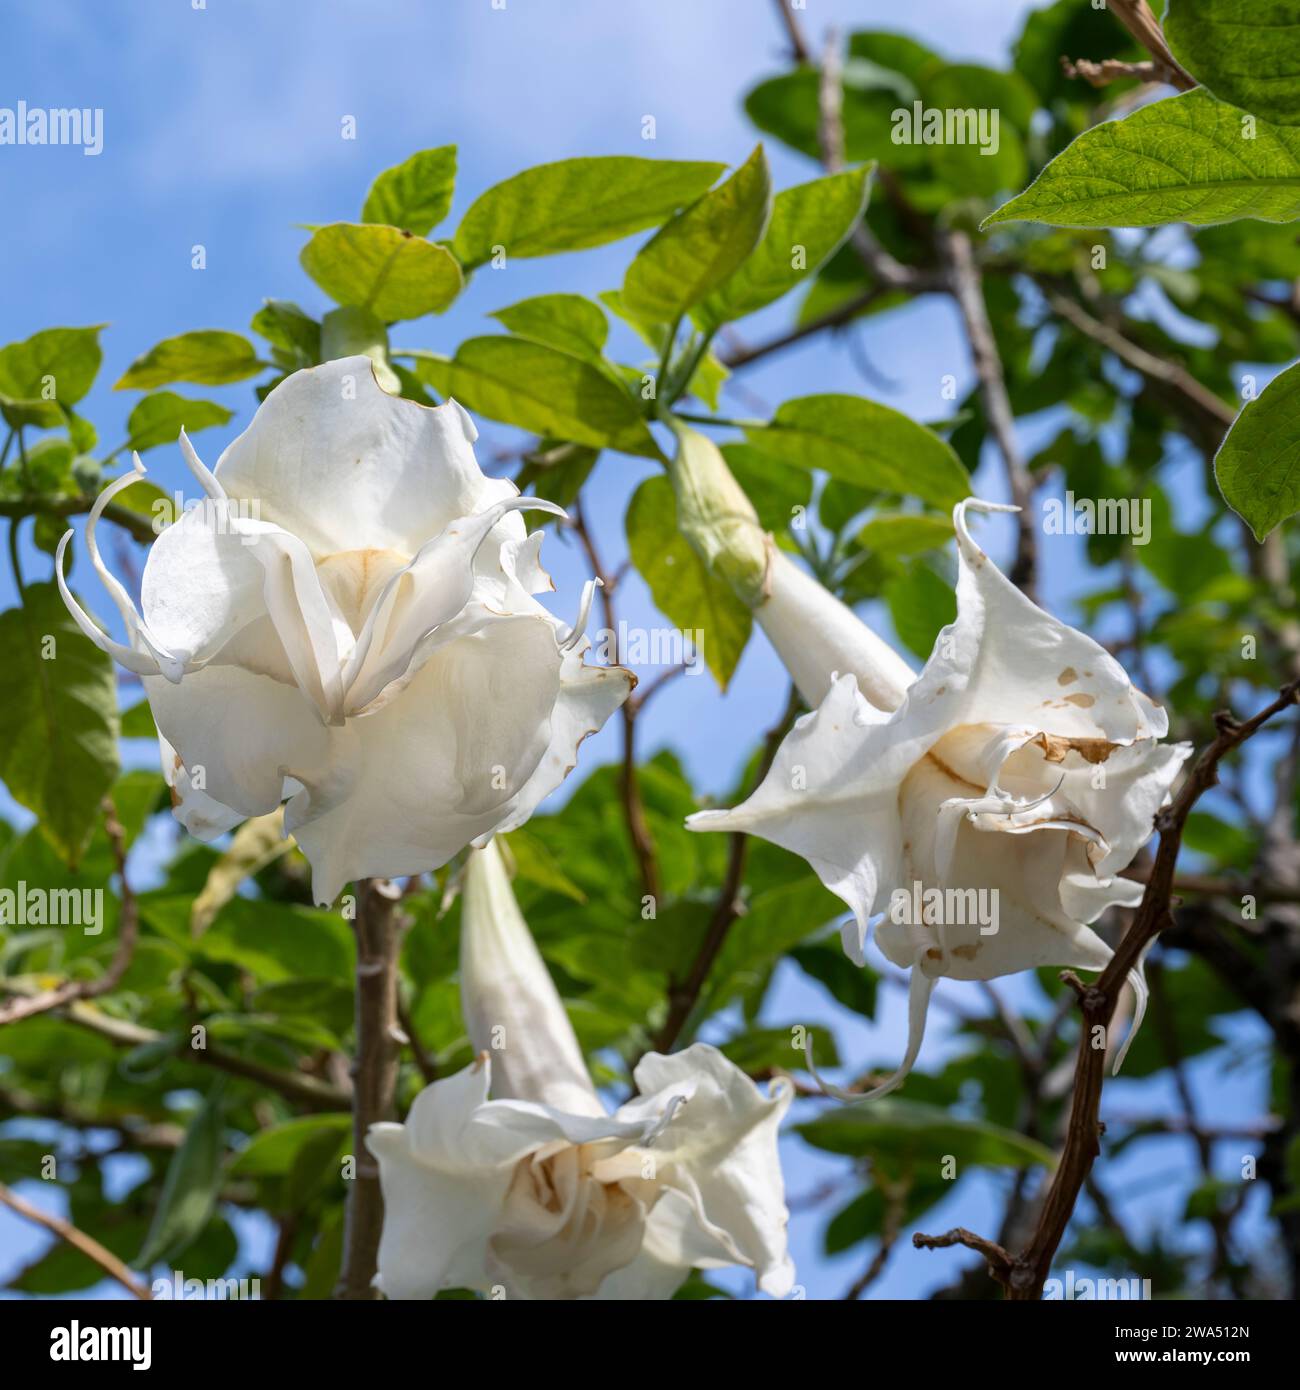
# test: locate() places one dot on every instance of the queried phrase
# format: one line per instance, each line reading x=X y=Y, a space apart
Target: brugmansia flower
x=348 y=621
x=541 y=1192
x=1001 y=791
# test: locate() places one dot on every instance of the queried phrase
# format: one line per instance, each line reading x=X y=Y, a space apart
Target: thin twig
x=968 y=290
x=1137 y=18
x=1108 y=70
x=79 y=1240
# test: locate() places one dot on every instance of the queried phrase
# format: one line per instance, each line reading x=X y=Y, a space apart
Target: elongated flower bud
x=816 y=636
x=510 y=1004
x=716 y=517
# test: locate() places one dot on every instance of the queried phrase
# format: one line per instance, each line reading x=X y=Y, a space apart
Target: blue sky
x=222 y=129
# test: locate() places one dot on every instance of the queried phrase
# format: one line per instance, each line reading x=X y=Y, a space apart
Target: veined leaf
x=209 y=357
x=392 y=273
x=1246 y=52
x=577 y=203
x=415 y=194
x=1189 y=158
x=569 y=322
x=700 y=247
x=159 y=418
x=1258 y=463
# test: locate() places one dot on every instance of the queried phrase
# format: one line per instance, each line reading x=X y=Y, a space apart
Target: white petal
x=816 y=635
x=202 y=815
x=335 y=460
x=509 y=1001
x=720 y=1151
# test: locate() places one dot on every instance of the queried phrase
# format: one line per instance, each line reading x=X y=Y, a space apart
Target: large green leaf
x=1246 y=52
x=681 y=586
x=808 y=225
x=159 y=418
x=190 y=1188
x=1258 y=464
x=569 y=322
x=415 y=194
x=920 y=606
x=1186 y=159
x=272 y=1152
x=53 y=368
x=210 y=357
x=58 y=755
x=541 y=389
x=701 y=247
x=866 y=444
x=392 y=273
x=577 y=203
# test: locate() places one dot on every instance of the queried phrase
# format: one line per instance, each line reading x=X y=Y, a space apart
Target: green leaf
x=159 y=419
x=1258 y=463
x=541 y=389
x=390 y=272
x=899 y=534
x=1247 y=52
x=920 y=605
x=808 y=225
x=209 y=357
x=190 y=1188
x=850 y=984
x=415 y=194
x=59 y=695
x=47 y=374
x=1185 y=159
x=776 y=490
x=577 y=203
x=287 y=327
x=866 y=444
x=271 y=1152
x=902 y=1129
x=695 y=252
x=681 y=586
x=566 y=321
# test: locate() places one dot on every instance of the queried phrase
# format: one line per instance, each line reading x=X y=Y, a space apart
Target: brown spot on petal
x=1091 y=750
x=1068 y=676
x=1083 y=701
x=967 y=952
x=934 y=953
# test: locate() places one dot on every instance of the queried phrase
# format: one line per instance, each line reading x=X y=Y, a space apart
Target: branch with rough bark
x=374 y=1077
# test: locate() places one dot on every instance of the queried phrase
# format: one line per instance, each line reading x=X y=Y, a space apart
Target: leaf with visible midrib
x=59 y=753
x=389 y=272
x=577 y=203
x=1246 y=52
x=700 y=247
x=682 y=588
x=1184 y=159
x=190 y=1188
x=1258 y=463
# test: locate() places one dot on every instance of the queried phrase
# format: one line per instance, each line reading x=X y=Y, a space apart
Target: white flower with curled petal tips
x=544 y=1193
x=1022 y=759
x=366 y=643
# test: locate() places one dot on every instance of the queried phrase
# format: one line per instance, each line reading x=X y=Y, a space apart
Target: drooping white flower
x=1021 y=764
x=348 y=621
x=541 y=1191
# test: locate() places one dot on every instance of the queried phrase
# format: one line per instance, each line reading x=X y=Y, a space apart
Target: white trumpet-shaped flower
x=348 y=621
x=540 y=1191
x=1000 y=792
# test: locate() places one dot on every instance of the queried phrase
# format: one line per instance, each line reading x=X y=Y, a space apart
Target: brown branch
x=833 y=318
x=374 y=1075
x=1108 y=70
x=968 y=290
x=799 y=49
x=1098 y=1001
x=128 y=929
x=999 y=1261
x=79 y=1240
x=638 y=828
x=683 y=996
x=1137 y=18
x=895 y=1194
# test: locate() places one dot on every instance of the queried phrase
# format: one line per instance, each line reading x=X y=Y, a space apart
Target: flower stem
x=374 y=1075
